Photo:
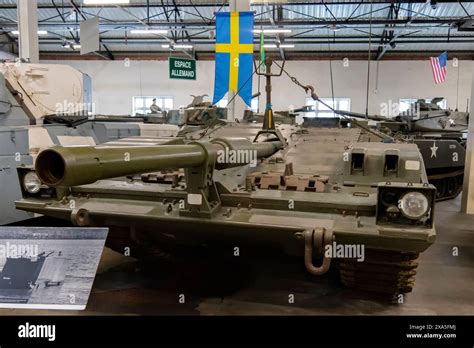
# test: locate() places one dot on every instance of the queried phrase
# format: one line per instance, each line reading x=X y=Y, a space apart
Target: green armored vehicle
x=366 y=208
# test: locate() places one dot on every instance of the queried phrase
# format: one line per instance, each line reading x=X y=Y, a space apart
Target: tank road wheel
x=451 y=187
x=460 y=180
x=440 y=188
x=140 y=247
x=460 y=183
x=385 y=272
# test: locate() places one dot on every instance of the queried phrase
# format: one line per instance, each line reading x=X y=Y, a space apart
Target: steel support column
x=467 y=203
x=237 y=106
x=28 y=27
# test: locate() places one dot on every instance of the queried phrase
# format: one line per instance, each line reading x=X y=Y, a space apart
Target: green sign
x=182 y=69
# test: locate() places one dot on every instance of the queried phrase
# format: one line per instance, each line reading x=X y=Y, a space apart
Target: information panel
x=182 y=68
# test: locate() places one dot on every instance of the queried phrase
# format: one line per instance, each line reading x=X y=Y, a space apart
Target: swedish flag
x=234 y=55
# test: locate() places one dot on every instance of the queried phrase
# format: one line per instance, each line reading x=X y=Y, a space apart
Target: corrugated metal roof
x=303 y=19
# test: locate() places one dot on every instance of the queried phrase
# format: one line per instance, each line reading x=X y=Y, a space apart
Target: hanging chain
x=338 y=112
x=298 y=83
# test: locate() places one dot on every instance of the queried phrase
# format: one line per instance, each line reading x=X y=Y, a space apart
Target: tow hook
x=80 y=217
x=318 y=238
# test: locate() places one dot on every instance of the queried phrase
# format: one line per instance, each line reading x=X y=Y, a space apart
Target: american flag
x=438 y=66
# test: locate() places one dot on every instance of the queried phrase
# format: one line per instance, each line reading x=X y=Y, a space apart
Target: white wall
x=114 y=84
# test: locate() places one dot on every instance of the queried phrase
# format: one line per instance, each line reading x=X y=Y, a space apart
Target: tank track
x=385 y=272
x=448 y=185
x=119 y=239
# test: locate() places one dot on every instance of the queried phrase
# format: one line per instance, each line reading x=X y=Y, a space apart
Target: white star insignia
x=434 y=149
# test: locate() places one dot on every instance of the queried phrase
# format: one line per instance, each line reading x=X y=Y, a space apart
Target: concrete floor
x=261 y=284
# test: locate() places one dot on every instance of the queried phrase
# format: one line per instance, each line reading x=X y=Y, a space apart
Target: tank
x=23 y=275
x=440 y=135
x=42 y=105
x=285 y=116
x=19 y=277
x=197 y=113
x=363 y=208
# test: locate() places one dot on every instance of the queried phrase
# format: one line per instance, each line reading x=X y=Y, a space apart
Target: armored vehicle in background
x=440 y=135
x=287 y=116
x=198 y=112
x=316 y=192
x=42 y=105
x=430 y=117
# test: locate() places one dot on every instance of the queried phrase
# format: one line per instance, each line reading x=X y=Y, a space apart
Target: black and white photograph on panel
x=48 y=268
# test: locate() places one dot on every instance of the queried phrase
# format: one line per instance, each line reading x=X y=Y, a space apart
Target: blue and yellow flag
x=234 y=55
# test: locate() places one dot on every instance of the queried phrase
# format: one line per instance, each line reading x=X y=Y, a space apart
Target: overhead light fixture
x=40 y=32
x=178 y=46
x=71 y=45
x=272 y=31
x=263 y=2
x=401 y=29
x=467 y=25
x=278 y=46
x=149 y=31
x=183 y=46
x=106 y=2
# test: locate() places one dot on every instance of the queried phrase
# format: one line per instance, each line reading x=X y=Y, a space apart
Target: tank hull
x=307 y=188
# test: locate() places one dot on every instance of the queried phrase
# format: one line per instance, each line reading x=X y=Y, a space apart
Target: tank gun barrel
x=363 y=116
x=74 y=166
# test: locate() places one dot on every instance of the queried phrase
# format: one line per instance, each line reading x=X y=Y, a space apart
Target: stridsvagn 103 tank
x=365 y=208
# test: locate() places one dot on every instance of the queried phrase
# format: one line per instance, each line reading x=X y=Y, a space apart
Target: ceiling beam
x=55 y=26
x=387 y=35
x=360 y=55
x=336 y=41
x=219 y=4
x=287 y=23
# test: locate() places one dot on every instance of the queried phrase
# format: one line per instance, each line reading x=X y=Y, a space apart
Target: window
x=141 y=105
x=222 y=103
x=320 y=110
x=254 y=106
x=406 y=102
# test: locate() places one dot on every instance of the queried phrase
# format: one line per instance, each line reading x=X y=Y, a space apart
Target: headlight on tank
x=31 y=183
x=405 y=204
x=414 y=205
